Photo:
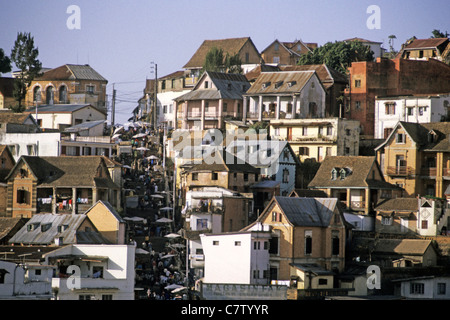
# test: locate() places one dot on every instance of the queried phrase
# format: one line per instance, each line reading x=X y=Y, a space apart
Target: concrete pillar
x=294 y=106
x=220 y=114
x=74 y=200
x=202 y=119
x=260 y=110
x=277 y=109
x=244 y=110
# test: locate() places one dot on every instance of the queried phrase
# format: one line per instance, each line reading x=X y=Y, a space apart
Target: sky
x=124 y=40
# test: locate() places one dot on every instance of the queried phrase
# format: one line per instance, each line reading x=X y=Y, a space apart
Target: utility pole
x=113 y=108
x=155 y=105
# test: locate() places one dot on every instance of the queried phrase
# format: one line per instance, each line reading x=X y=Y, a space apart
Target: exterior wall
x=32 y=144
x=247 y=263
x=107 y=224
x=76 y=92
x=292 y=245
x=22 y=282
x=311 y=281
x=118 y=272
x=424 y=110
x=6 y=102
x=430 y=288
x=343 y=140
x=391 y=78
x=27 y=183
x=53 y=120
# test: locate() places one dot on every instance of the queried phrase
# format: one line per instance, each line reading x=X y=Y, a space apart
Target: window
x=86 y=297
x=285 y=176
x=389 y=107
x=417 y=288
x=334 y=174
x=329 y=130
x=335 y=246
x=422 y=110
x=308 y=242
x=410 y=111
x=206 y=84
x=256 y=245
x=237 y=243
x=214 y=176
x=400 y=138
x=441 y=288
x=63 y=94
x=107 y=296
x=37 y=94
x=357 y=83
x=215 y=243
x=97 y=272
x=358 y=105
x=202 y=224
x=266 y=245
x=195 y=177
x=245 y=176
x=424 y=224
x=22 y=196
x=273 y=245
x=225 y=107
x=90 y=89
x=304 y=131
x=323 y=281
x=30 y=149
x=303 y=151
x=386 y=221
x=276 y=59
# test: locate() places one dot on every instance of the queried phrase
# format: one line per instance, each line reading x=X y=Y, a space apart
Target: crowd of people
x=159 y=266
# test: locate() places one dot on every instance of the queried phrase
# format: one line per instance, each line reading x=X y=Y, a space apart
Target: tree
x=438 y=34
x=217 y=61
x=338 y=55
x=5 y=62
x=24 y=55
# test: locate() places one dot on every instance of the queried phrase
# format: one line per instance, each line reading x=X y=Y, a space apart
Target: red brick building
x=385 y=77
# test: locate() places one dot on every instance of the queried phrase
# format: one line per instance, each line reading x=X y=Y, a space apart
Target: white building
x=375 y=46
x=426 y=287
x=237 y=257
x=61 y=116
x=43 y=144
x=415 y=109
x=25 y=281
x=97 y=272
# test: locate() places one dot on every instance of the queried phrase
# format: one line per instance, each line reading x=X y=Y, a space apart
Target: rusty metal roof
x=280 y=82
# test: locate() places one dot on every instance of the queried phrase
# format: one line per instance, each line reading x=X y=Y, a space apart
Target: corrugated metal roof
x=426 y=43
x=72 y=72
x=39 y=235
x=55 y=108
x=307 y=212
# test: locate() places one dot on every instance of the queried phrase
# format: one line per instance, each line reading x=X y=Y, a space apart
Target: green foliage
x=438 y=34
x=338 y=55
x=5 y=62
x=24 y=55
x=217 y=61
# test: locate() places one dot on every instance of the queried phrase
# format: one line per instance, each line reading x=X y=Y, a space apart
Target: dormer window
x=278 y=84
x=432 y=137
x=343 y=174
x=266 y=85
x=292 y=83
x=334 y=174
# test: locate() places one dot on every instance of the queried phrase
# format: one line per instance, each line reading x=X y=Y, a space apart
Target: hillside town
x=277 y=181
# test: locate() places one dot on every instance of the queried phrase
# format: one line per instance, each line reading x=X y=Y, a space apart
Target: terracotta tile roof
x=8 y=116
x=325 y=73
x=223 y=161
x=425 y=43
x=231 y=46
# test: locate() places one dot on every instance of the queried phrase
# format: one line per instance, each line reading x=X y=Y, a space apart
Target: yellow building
x=318 y=138
x=416 y=157
x=304 y=230
x=107 y=221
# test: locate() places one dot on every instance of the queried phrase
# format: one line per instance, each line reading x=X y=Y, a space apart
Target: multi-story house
x=285 y=95
x=243 y=47
x=216 y=97
x=59 y=185
x=237 y=257
x=423 y=49
x=356 y=181
x=69 y=84
x=412 y=216
x=105 y=272
x=416 y=108
x=304 y=230
x=385 y=77
x=416 y=157
x=286 y=53
x=212 y=210
x=318 y=138
x=25 y=281
x=221 y=169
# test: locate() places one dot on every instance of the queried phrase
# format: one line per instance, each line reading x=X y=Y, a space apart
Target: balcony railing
x=204 y=209
x=429 y=172
x=400 y=171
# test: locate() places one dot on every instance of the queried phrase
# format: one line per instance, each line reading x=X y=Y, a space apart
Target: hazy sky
x=120 y=39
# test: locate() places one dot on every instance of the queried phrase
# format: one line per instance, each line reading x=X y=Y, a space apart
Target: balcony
x=428 y=172
x=400 y=171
